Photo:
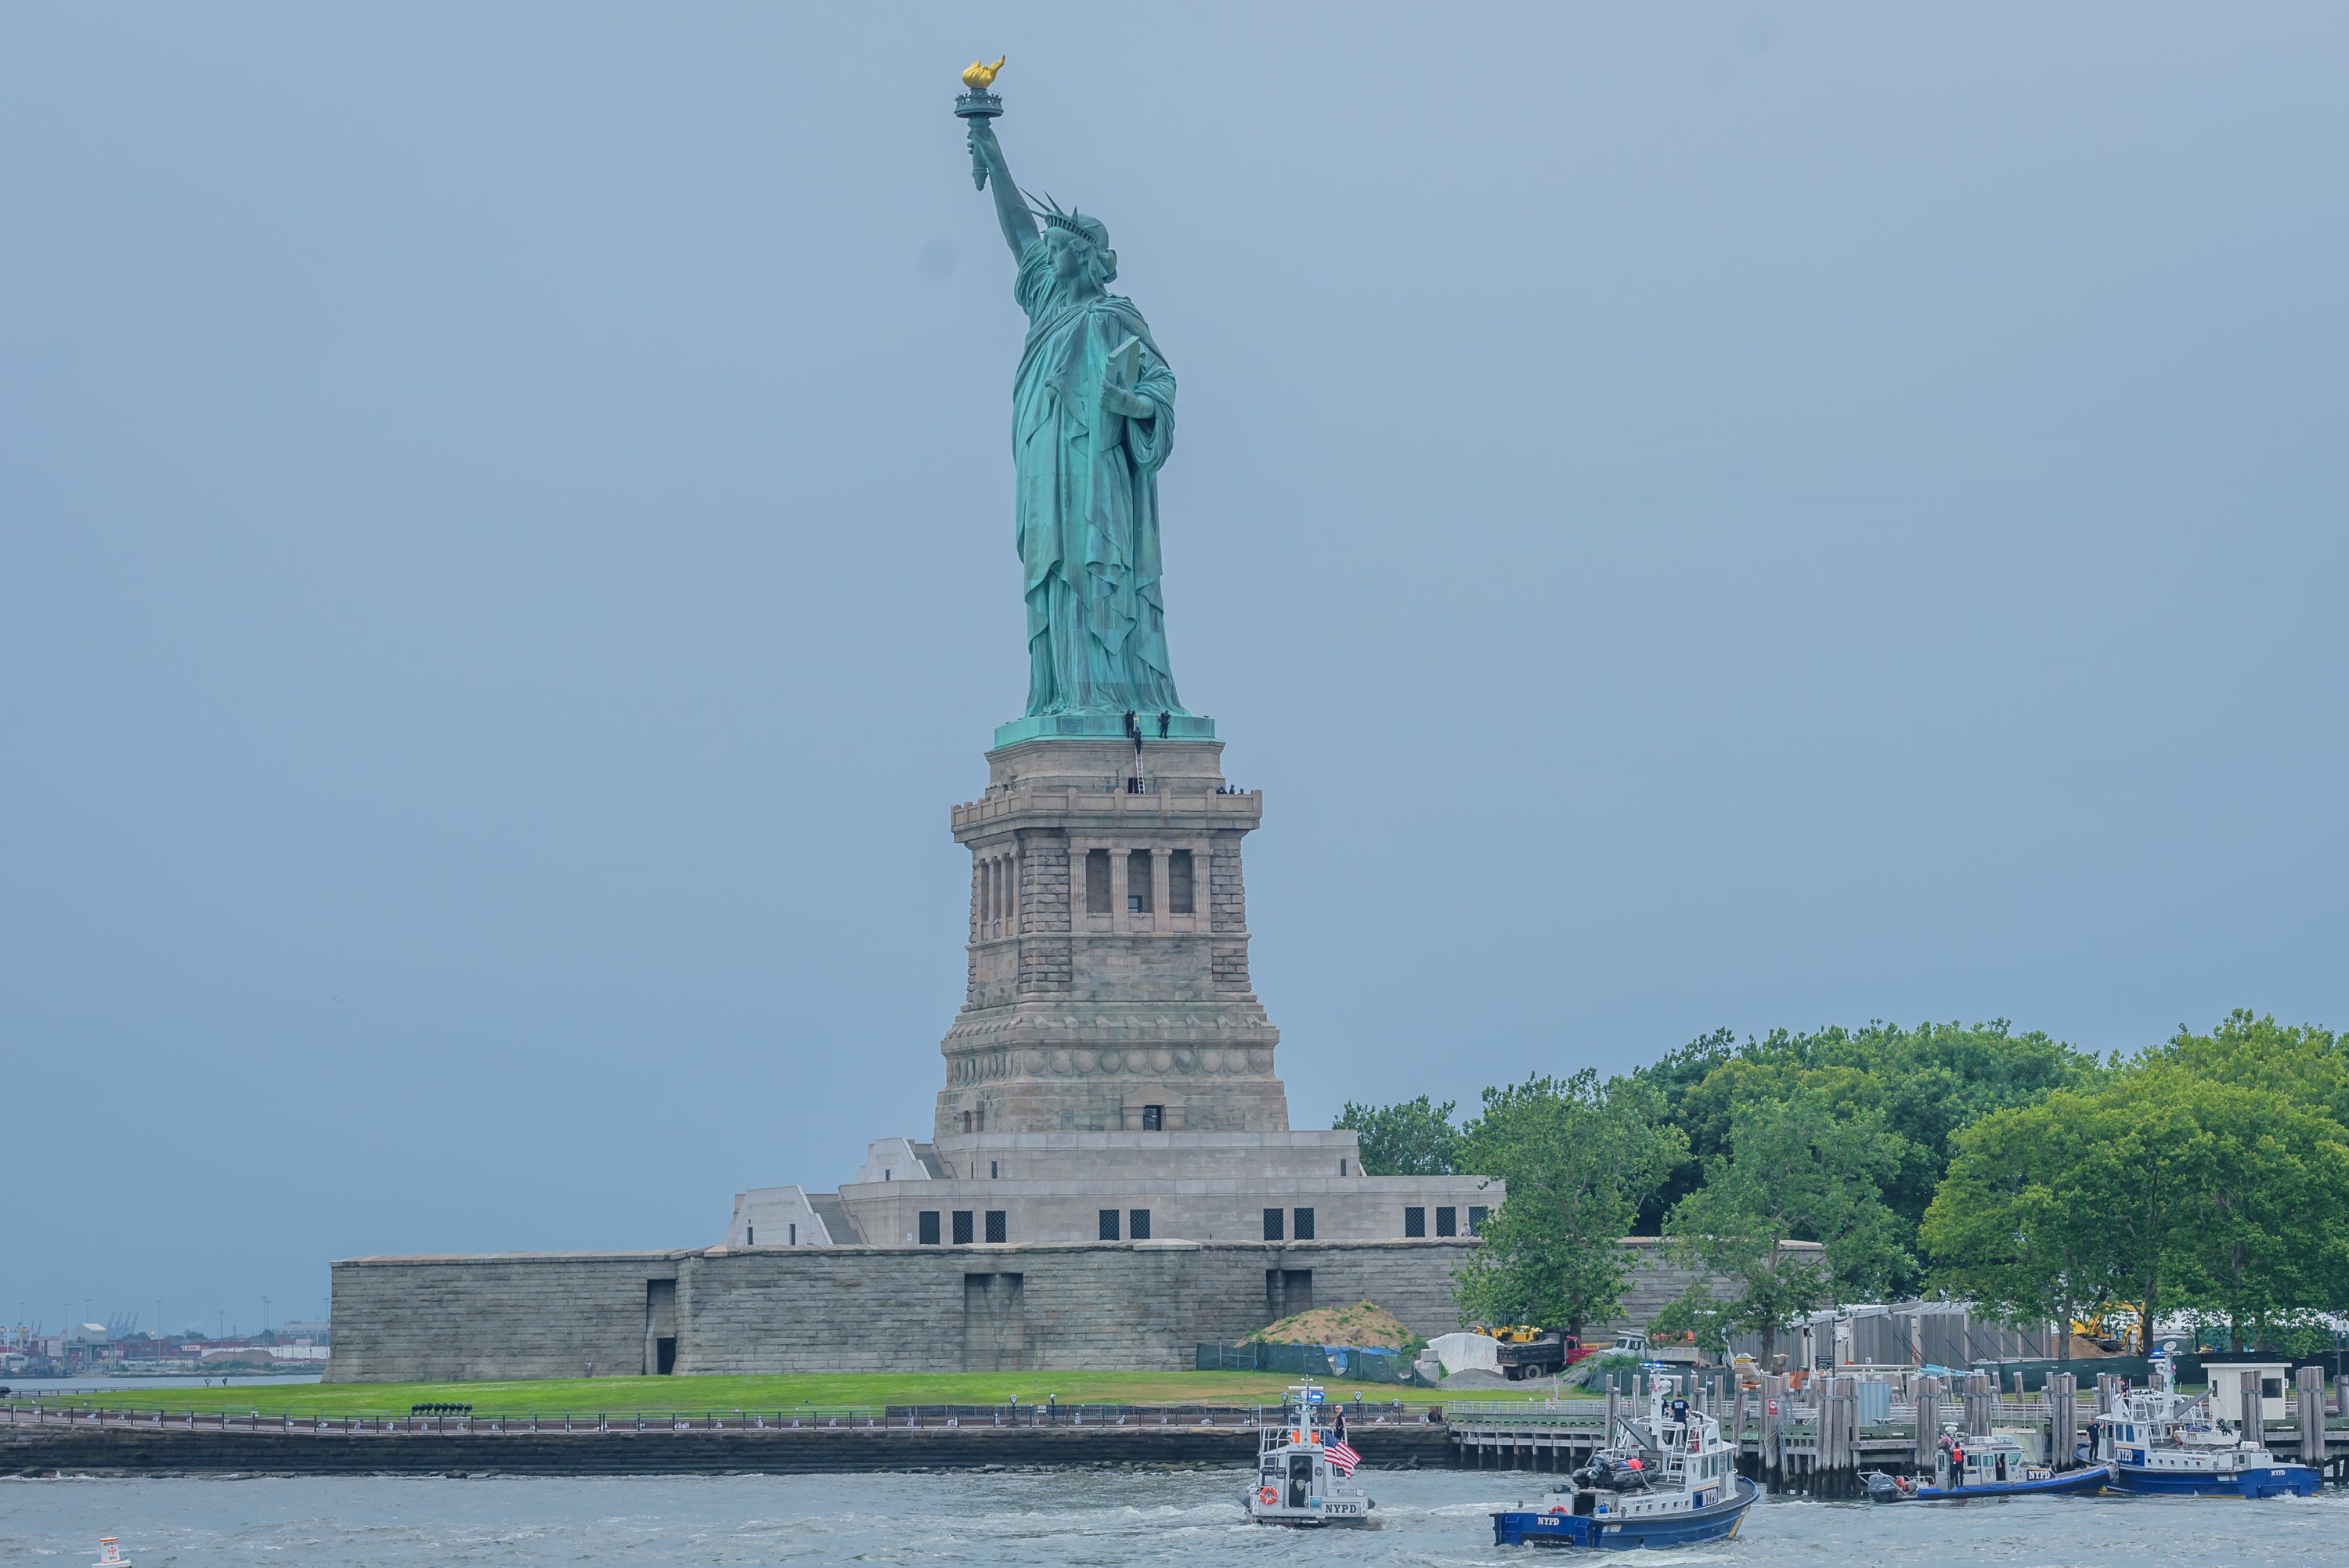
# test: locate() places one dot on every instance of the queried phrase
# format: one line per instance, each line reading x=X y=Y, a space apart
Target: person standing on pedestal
x=1092 y=422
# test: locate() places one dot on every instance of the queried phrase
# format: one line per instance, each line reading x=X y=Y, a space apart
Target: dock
x=1816 y=1436
x=1820 y=1435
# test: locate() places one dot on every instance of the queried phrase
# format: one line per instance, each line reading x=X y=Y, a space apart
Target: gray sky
x=1693 y=515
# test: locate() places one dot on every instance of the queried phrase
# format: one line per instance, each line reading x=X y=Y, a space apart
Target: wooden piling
x=2311 y=1382
x=1770 y=1458
x=1928 y=1421
x=2063 y=1419
x=1980 y=1403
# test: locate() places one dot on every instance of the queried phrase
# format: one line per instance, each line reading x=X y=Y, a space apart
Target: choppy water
x=1100 y=1517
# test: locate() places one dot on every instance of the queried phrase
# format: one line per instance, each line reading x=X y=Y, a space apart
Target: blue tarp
x=1362 y=1363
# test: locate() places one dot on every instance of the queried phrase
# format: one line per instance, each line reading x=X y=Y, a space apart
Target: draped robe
x=1088 y=504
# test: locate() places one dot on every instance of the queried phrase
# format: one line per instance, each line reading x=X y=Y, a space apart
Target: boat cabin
x=1992 y=1460
x=1304 y=1467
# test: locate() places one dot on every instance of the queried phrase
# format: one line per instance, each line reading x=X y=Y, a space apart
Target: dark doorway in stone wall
x=660 y=1326
x=994 y=1323
x=1287 y=1292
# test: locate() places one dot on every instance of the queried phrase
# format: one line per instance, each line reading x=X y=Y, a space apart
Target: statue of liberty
x=1092 y=421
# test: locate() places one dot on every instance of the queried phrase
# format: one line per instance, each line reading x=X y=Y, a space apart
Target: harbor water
x=1088 y=1516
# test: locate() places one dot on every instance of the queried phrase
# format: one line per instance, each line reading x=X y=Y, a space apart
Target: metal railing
x=853 y=1417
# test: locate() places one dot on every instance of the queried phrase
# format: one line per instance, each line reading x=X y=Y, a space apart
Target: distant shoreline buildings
x=98 y=1349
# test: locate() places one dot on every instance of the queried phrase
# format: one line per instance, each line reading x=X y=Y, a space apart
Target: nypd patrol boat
x=1668 y=1479
x=2159 y=1440
x=1304 y=1467
x=1985 y=1465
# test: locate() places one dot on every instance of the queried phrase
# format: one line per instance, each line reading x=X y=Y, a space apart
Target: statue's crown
x=1091 y=230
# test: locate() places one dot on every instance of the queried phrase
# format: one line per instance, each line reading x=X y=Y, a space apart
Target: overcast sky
x=1693 y=515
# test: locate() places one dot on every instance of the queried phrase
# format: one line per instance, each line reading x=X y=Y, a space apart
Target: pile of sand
x=1477 y=1377
x=1364 y=1323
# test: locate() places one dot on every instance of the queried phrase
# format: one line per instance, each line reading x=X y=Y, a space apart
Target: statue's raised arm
x=1020 y=229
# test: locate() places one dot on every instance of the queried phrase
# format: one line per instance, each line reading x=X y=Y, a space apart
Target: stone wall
x=1140 y=1306
x=502 y=1316
x=1110 y=1307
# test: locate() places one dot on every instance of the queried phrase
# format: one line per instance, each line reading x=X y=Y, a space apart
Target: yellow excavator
x=2119 y=1329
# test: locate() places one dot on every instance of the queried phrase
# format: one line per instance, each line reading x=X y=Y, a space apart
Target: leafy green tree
x=1918 y=1086
x=2004 y=1238
x=2305 y=1064
x=1415 y=1138
x=2160 y=1189
x=2267 y=1254
x=1577 y=1155
x=1794 y=1171
x=1670 y=1083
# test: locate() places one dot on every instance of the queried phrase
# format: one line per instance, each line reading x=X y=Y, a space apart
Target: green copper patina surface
x=1092 y=422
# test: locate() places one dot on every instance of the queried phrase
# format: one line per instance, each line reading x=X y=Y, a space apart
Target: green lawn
x=701 y=1396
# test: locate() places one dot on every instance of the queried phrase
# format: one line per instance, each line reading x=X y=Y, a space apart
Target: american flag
x=1342 y=1455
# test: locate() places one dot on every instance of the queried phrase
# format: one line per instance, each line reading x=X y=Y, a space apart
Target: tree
x=1923 y=1084
x=2162 y=1189
x=1577 y=1157
x=1413 y=1138
x=1793 y=1173
x=1670 y=1082
x=2305 y=1064
x=2003 y=1238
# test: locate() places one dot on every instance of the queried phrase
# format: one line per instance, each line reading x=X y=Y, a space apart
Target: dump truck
x=1527 y=1350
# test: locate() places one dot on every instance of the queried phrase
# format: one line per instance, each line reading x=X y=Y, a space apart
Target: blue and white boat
x=1984 y=1465
x=2157 y=1440
x=1669 y=1479
x=1304 y=1468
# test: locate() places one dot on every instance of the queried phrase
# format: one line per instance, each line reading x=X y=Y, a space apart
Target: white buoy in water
x=109 y=1555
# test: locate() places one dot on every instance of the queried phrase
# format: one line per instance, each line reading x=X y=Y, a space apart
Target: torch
x=978 y=104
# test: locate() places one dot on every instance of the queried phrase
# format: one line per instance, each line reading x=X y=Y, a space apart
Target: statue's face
x=1068 y=256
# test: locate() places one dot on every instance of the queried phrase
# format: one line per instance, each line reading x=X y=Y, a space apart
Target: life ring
x=1557 y=1511
x=1267 y=1497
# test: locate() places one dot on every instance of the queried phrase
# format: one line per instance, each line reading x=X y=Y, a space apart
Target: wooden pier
x=1820 y=1438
